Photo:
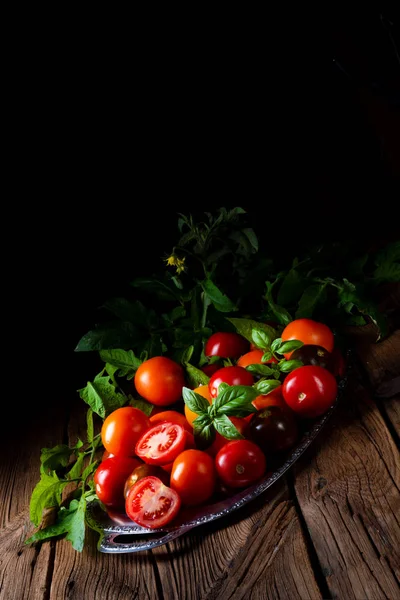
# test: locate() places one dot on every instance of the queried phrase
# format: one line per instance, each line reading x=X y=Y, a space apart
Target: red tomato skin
x=211 y=369
x=253 y=357
x=173 y=416
x=219 y=442
x=309 y=331
x=161 y=443
x=226 y=345
x=310 y=391
x=141 y=498
x=121 y=430
x=193 y=477
x=110 y=477
x=160 y=380
x=240 y=463
x=232 y=376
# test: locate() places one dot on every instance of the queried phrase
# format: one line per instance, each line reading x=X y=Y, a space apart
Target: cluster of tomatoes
x=152 y=466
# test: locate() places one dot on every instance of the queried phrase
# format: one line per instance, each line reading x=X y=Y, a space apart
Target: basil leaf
x=261 y=339
x=195 y=376
x=266 y=356
x=226 y=428
x=246 y=326
x=195 y=402
x=203 y=431
x=235 y=398
x=286 y=366
x=264 y=386
x=275 y=344
x=289 y=346
x=259 y=369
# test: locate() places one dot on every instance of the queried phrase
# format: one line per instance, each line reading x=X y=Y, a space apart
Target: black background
x=295 y=122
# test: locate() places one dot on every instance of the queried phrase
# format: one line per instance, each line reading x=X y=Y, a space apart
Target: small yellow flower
x=175 y=261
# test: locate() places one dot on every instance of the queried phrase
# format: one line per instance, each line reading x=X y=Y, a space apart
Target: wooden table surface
x=329 y=529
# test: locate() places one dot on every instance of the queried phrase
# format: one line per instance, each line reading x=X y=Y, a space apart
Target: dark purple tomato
x=311 y=354
x=273 y=429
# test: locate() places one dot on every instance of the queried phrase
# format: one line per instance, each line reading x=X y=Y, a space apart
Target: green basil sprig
x=273 y=349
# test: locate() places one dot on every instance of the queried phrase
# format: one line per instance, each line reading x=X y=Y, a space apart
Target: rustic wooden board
x=348 y=488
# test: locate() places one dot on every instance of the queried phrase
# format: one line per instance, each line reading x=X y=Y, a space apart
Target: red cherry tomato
x=162 y=443
x=211 y=368
x=232 y=376
x=152 y=504
x=310 y=390
x=253 y=358
x=226 y=345
x=122 y=429
x=240 y=463
x=241 y=425
x=109 y=479
x=174 y=417
x=309 y=331
x=193 y=477
x=274 y=398
x=160 y=380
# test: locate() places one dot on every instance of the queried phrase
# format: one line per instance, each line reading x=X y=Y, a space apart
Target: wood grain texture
x=348 y=488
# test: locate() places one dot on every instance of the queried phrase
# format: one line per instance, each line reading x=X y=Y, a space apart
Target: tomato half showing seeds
x=310 y=390
x=193 y=477
x=230 y=375
x=160 y=380
x=110 y=477
x=152 y=504
x=122 y=429
x=240 y=463
x=162 y=443
x=226 y=345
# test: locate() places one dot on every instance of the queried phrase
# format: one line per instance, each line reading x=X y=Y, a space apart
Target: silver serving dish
x=118 y=534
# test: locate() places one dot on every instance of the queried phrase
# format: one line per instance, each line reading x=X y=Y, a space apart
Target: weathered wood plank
x=25 y=571
x=348 y=488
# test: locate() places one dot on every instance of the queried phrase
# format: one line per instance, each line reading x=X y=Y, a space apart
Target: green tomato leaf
x=76 y=471
x=312 y=296
x=125 y=361
x=265 y=386
x=141 y=404
x=134 y=312
x=281 y=314
x=102 y=396
x=89 y=425
x=46 y=494
x=246 y=326
x=54 y=458
x=218 y=298
x=195 y=377
x=233 y=399
x=119 y=334
x=195 y=402
x=291 y=288
x=226 y=428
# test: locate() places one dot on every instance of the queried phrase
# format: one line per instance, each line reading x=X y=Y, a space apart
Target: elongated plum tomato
x=203 y=391
x=232 y=376
x=308 y=331
x=110 y=477
x=193 y=476
x=160 y=380
x=162 y=443
x=151 y=503
x=254 y=357
x=310 y=390
x=122 y=429
x=226 y=345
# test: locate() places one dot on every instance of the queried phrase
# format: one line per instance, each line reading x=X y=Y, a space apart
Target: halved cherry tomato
x=226 y=345
x=232 y=376
x=173 y=416
x=152 y=504
x=162 y=443
x=189 y=445
x=144 y=471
